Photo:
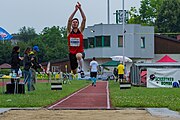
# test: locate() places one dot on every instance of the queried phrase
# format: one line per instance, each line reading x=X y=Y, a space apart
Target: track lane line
x=107 y=90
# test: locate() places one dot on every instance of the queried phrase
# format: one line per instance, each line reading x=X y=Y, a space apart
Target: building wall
x=132 y=47
x=148 y=33
x=166 y=46
x=99 y=60
x=61 y=66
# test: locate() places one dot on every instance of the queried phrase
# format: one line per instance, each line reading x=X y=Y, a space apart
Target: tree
x=5 y=52
x=169 y=16
x=26 y=34
x=147 y=12
x=134 y=16
x=163 y=14
x=54 y=42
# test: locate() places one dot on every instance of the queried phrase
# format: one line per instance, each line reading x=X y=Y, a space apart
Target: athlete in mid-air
x=75 y=40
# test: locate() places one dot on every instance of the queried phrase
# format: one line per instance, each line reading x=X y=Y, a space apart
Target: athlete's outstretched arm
x=83 y=18
x=70 y=20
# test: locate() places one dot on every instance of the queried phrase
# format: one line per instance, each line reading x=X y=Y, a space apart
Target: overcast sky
x=47 y=13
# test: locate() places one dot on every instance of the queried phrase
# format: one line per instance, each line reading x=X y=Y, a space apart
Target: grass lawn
x=135 y=97
x=145 y=97
x=42 y=96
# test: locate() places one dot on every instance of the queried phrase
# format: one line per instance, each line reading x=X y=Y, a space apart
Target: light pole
x=123 y=30
x=108 y=18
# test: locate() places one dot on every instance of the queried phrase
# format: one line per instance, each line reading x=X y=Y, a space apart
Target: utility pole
x=123 y=30
x=108 y=12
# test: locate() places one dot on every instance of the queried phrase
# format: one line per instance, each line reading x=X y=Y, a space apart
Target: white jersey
x=94 y=64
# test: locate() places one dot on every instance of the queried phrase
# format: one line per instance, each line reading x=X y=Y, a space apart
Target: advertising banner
x=163 y=77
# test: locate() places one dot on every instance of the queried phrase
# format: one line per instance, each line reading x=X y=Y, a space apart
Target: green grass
x=135 y=97
x=145 y=97
x=42 y=96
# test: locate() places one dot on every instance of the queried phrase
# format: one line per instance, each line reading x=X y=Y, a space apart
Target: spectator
x=121 y=72
x=27 y=66
x=15 y=60
x=35 y=65
x=115 y=72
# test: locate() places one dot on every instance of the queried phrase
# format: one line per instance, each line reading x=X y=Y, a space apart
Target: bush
x=5 y=71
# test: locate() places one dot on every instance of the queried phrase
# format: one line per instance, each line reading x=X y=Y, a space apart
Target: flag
x=4 y=35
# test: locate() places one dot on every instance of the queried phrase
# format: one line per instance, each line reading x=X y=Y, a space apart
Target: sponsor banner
x=163 y=77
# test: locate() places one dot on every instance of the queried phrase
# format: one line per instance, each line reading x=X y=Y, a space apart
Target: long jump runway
x=89 y=97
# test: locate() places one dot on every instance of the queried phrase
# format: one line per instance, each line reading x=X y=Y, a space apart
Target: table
x=15 y=82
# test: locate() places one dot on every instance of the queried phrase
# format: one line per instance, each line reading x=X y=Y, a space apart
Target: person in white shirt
x=93 y=71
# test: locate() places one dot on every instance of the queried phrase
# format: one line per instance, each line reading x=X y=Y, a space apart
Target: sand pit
x=79 y=115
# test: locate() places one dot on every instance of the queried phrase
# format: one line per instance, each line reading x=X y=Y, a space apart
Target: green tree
x=134 y=16
x=168 y=19
x=26 y=34
x=5 y=52
x=147 y=12
x=54 y=43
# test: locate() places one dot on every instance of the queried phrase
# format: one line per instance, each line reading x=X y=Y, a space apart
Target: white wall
x=132 y=47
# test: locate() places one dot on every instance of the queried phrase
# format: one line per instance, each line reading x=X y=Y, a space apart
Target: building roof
x=167 y=38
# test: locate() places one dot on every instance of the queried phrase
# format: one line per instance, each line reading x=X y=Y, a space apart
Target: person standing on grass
x=121 y=71
x=94 y=69
x=35 y=65
x=115 y=73
x=15 y=60
x=75 y=40
x=27 y=65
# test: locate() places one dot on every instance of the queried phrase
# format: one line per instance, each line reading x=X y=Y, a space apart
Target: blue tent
x=4 y=35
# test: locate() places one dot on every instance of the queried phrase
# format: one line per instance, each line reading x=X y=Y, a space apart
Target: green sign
x=119 y=16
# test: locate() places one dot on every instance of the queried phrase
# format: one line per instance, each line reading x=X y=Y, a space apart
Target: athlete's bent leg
x=80 y=62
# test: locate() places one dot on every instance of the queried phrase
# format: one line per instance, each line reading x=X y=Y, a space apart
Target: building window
x=142 y=42
x=120 y=41
x=98 y=41
x=85 y=43
x=107 y=40
x=91 y=42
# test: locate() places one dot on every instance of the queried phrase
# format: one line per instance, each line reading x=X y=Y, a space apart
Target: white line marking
x=107 y=90
x=67 y=97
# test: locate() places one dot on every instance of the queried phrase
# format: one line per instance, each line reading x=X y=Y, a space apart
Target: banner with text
x=163 y=77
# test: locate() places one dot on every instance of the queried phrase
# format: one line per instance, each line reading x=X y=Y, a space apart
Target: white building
x=105 y=40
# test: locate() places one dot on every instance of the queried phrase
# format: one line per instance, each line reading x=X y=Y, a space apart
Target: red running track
x=89 y=97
